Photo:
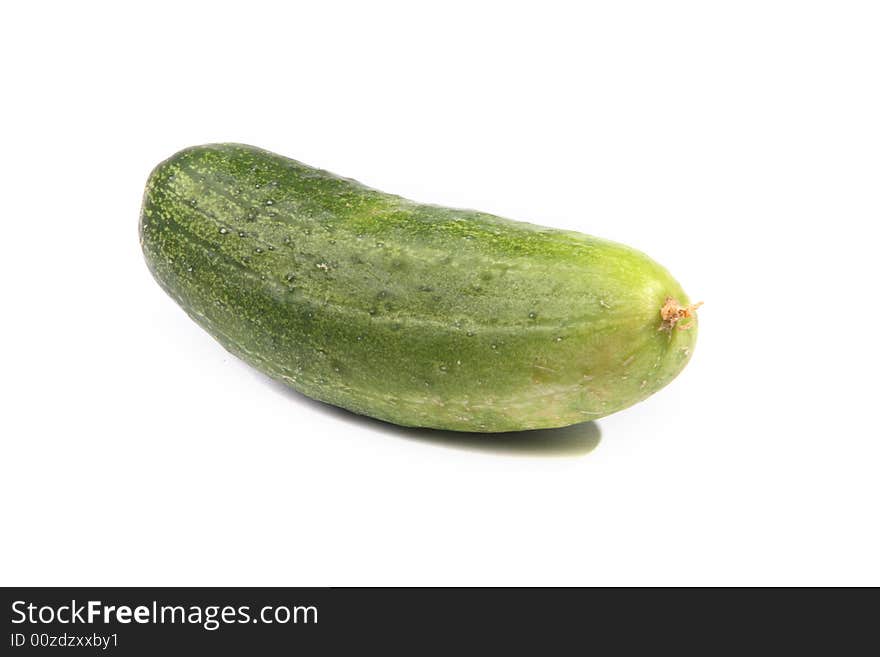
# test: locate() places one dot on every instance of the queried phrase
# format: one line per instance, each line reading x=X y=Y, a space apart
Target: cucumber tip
x=672 y=312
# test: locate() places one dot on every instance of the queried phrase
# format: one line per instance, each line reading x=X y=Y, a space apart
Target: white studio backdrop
x=735 y=143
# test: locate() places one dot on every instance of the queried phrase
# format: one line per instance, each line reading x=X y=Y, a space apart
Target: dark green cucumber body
x=411 y=313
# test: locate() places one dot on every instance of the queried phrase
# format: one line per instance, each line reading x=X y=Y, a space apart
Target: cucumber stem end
x=673 y=312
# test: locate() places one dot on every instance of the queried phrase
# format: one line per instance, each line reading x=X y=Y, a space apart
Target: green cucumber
x=415 y=314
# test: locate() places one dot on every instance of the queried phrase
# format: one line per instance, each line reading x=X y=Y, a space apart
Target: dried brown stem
x=673 y=312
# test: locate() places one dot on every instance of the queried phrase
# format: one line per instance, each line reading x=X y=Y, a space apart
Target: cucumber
x=414 y=314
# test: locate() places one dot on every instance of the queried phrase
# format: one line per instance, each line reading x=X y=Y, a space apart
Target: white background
x=737 y=143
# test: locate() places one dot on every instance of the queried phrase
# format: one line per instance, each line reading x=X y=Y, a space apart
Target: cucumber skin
x=414 y=314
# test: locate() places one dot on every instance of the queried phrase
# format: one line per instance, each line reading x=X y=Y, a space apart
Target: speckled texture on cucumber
x=415 y=314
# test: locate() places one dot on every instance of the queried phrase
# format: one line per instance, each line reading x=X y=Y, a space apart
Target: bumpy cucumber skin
x=415 y=314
